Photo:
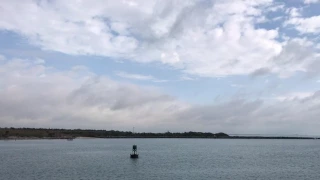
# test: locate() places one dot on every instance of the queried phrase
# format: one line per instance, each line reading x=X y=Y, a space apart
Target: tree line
x=73 y=133
x=30 y=133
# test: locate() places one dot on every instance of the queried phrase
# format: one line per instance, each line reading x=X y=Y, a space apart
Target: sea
x=163 y=159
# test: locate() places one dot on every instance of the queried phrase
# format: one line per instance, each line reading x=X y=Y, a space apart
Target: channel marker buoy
x=134 y=153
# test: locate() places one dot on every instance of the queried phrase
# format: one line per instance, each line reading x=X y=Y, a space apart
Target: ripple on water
x=160 y=159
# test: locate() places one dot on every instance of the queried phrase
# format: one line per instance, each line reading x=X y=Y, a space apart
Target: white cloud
x=139 y=77
x=294 y=96
x=276 y=7
x=134 y=76
x=293 y=116
x=311 y=1
x=237 y=85
x=293 y=12
x=204 y=38
x=2 y=57
x=185 y=77
x=297 y=55
x=305 y=25
x=277 y=18
x=39 y=61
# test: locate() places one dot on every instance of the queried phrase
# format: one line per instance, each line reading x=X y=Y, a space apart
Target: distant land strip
x=43 y=133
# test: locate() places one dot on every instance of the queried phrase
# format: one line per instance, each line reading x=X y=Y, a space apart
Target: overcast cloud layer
x=199 y=39
x=35 y=95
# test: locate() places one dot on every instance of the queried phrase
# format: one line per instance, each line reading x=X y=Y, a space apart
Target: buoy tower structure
x=134 y=153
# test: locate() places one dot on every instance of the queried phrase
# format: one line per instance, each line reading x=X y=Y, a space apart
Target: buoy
x=134 y=152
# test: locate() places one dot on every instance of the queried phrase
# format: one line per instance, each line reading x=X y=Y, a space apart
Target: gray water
x=160 y=159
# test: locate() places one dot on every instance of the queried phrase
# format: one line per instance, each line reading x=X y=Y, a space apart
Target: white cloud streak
x=294 y=96
x=311 y=1
x=139 y=77
x=134 y=76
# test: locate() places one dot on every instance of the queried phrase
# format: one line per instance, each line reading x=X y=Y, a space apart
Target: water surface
x=160 y=159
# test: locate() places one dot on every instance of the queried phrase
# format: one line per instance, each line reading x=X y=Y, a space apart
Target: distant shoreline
x=117 y=137
x=43 y=138
x=70 y=134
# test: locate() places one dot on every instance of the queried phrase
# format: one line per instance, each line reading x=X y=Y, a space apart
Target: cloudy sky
x=233 y=66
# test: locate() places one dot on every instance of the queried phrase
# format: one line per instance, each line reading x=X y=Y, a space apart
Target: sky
x=233 y=66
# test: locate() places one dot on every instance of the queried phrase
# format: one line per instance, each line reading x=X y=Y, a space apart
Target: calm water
x=160 y=159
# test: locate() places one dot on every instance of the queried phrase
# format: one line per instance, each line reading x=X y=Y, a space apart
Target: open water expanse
x=160 y=159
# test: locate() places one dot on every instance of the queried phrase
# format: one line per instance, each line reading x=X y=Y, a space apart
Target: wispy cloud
x=294 y=95
x=311 y=1
x=139 y=77
x=2 y=57
x=237 y=85
x=187 y=78
x=134 y=76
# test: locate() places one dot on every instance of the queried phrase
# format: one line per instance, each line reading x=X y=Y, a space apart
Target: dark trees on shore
x=67 y=133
